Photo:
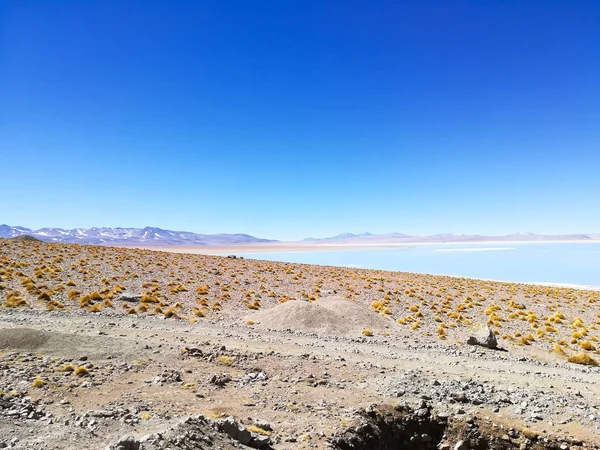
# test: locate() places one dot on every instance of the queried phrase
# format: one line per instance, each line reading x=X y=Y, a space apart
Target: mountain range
x=154 y=236
x=387 y=238
x=129 y=236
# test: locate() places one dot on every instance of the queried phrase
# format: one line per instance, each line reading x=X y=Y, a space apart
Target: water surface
x=561 y=263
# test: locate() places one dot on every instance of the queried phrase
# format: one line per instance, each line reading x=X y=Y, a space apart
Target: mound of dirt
x=49 y=342
x=23 y=339
x=26 y=238
x=329 y=315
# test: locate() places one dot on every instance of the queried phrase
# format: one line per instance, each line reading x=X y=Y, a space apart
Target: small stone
x=461 y=445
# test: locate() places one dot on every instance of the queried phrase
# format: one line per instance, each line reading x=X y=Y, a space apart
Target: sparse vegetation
x=81 y=371
x=582 y=358
x=224 y=360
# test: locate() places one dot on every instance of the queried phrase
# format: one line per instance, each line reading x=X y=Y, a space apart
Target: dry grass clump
x=150 y=298
x=202 y=290
x=81 y=371
x=224 y=360
x=38 y=382
x=198 y=312
x=582 y=358
x=44 y=296
x=53 y=305
x=171 y=312
x=14 y=300
x=557 y=348
x=258 y=430
x=66 y=368
x=94 y=308
x=73 y=294
x=587 y=345
x=367 y=332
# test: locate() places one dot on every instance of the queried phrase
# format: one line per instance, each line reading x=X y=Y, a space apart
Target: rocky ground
x=293 y=356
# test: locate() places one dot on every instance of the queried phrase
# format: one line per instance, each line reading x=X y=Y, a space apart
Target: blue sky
x=287 y=119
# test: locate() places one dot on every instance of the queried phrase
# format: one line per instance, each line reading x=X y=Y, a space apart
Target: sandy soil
x=301 y=348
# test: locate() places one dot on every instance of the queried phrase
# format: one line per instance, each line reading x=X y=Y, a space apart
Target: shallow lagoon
x=574 y=263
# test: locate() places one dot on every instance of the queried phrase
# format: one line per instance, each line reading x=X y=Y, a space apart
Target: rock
x=263 y=424
x=260 y=441
x=126 y=443
x=128 y=297
x=219 y=380
x=461 y=445
x=483 y=337
x=236 y=430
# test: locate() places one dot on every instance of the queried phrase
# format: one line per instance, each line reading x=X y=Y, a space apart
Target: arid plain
x=135 y=348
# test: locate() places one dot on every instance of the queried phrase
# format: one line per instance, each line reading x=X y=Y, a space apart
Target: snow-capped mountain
x=369 y=238
x=341 y=237
x=125 y=236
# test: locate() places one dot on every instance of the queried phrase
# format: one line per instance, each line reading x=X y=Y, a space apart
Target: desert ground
x=123 y=348
x=270 y=247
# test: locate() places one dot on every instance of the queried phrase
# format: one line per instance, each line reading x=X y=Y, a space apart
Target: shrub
x=582 y=358
x=54 y=305
x=558 y=349
x=170 y=312
x=224 y=360
x=587 y=345
x=85 y=301
x=44 y=296
x=441 y=331
x=81 y=371
x=202 y=290
x=367 y=332
x=66 y=368
x=146 y=298
x=96 y=296
x=94 y=308
x=145 y=415
x=14 y=300
x=258 y=430
x=38 y=382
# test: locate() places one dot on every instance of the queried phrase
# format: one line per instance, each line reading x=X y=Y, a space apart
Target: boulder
x=126 y=443
x=128 y=297
x=484 y=337
x=236 y=430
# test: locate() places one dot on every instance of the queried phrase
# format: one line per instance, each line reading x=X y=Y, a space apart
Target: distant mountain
x=369 y=238
x=153 y=236
x=340 y=237
x=129 y=236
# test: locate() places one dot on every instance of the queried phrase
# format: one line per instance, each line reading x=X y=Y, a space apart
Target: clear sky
x=288 y=119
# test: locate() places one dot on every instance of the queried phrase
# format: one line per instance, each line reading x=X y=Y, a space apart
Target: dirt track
x=314 y=384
